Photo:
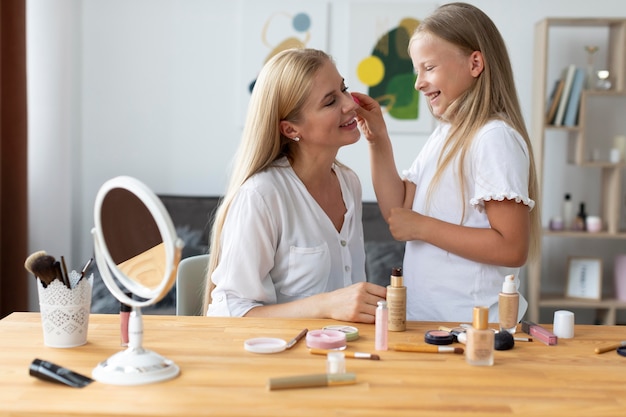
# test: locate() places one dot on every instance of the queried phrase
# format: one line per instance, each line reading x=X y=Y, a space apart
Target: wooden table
x=218 y=377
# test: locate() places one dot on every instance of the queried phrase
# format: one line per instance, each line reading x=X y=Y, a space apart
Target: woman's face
x=443 y=71
x=328 y=117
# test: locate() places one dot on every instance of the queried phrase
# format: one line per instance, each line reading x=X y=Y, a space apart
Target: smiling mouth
x=351 y=122
x=432 y=96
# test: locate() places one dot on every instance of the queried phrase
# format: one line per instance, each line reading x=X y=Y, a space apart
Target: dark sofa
x=192 y=216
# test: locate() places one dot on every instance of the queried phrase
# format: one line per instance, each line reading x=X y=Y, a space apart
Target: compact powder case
x=438 y=337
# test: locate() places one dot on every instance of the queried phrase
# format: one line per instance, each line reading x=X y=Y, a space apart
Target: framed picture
x=380 y=65
x=584 y=278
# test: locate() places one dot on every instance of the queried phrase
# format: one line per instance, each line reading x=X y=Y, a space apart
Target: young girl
x=287 y=239
x=467 y=205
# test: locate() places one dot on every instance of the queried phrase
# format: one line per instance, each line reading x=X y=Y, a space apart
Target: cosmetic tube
x=480 y=339
x=508 y=305
x=48 y=371
x=381 y=323
x=396 y=302
x=311 y=381
x=539 y=333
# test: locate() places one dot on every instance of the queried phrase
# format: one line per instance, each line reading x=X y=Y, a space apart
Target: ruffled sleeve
x=500 y=166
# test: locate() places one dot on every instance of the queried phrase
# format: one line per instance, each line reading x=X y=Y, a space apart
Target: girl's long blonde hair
x=279 y=93
x=492 y=96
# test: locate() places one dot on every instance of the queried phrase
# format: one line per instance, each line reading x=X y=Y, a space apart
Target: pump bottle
x=396 y=301
x=508 y=305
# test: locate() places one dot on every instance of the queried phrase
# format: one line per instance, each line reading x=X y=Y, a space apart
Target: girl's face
x=443 y=71
x=328 y=117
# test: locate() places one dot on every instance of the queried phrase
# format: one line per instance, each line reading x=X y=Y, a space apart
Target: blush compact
x=438 y=337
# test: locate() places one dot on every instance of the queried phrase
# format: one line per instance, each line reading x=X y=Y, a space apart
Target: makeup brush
x=409 y=347
x=28 y=264
x=348 y=354
x=84 y=270
x=43 y=267
x=64 y=274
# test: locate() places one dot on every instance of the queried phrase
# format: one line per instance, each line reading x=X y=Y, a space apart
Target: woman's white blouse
x=278 y=245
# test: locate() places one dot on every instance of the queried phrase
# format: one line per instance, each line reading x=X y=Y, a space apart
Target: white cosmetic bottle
x=568 y=213
x=508 y=305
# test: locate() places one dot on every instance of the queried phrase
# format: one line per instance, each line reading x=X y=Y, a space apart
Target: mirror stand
x=135 y=365
x=137 y=252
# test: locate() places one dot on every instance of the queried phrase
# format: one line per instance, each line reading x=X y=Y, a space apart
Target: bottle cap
x=397 y=280
x=508 y=287
x=480 y=318
x=563 y=324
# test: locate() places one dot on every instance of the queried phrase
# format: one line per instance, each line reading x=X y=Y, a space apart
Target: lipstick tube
x=539 y=333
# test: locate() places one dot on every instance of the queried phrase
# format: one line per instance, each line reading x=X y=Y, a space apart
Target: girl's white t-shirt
x=442 y=286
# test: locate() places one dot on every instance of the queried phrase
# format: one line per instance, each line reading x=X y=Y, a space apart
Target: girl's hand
x=370 y=118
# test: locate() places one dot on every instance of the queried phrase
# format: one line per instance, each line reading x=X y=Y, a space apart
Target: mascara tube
x=48 y=371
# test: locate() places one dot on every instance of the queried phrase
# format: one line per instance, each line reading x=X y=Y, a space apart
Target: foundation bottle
x=508 y=305
x=480 y=339
x=396 y=301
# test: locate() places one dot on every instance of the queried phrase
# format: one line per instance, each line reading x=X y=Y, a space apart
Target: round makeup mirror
x=137 y=252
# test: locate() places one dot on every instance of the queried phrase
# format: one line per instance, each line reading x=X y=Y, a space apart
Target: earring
x=296 y=139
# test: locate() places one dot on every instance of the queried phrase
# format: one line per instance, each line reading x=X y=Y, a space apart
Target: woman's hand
x=356 y=303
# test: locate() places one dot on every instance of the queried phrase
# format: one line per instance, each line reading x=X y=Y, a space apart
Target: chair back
x=190 y=280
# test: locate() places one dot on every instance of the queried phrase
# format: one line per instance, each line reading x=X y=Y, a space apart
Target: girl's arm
x=505 y=243
x=388 y=186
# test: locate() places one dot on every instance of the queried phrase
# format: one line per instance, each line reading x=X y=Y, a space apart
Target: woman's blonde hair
x=492 y=96
x=279 y=93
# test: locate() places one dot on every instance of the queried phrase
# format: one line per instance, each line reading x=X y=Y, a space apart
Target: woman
x=288 y=239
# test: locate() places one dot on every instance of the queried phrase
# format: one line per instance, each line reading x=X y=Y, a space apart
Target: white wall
x=145 y=88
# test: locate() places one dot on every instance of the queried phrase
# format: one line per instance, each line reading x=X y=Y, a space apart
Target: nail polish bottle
x=381 y=323
x=508 y=305
x=480 y=339
x=396 y=301
x=124 y=316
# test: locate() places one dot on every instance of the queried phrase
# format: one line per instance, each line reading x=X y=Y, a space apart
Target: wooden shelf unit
x=578 y=153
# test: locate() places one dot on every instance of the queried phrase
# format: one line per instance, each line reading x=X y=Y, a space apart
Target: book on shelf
x=573 y=102
x=568 y=78
x=553 y=102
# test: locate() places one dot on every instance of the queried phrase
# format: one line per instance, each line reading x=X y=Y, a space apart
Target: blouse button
x=347 y=268
x=344 y=243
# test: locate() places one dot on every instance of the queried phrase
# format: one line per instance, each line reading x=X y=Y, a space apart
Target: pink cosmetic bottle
x=381 y=323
